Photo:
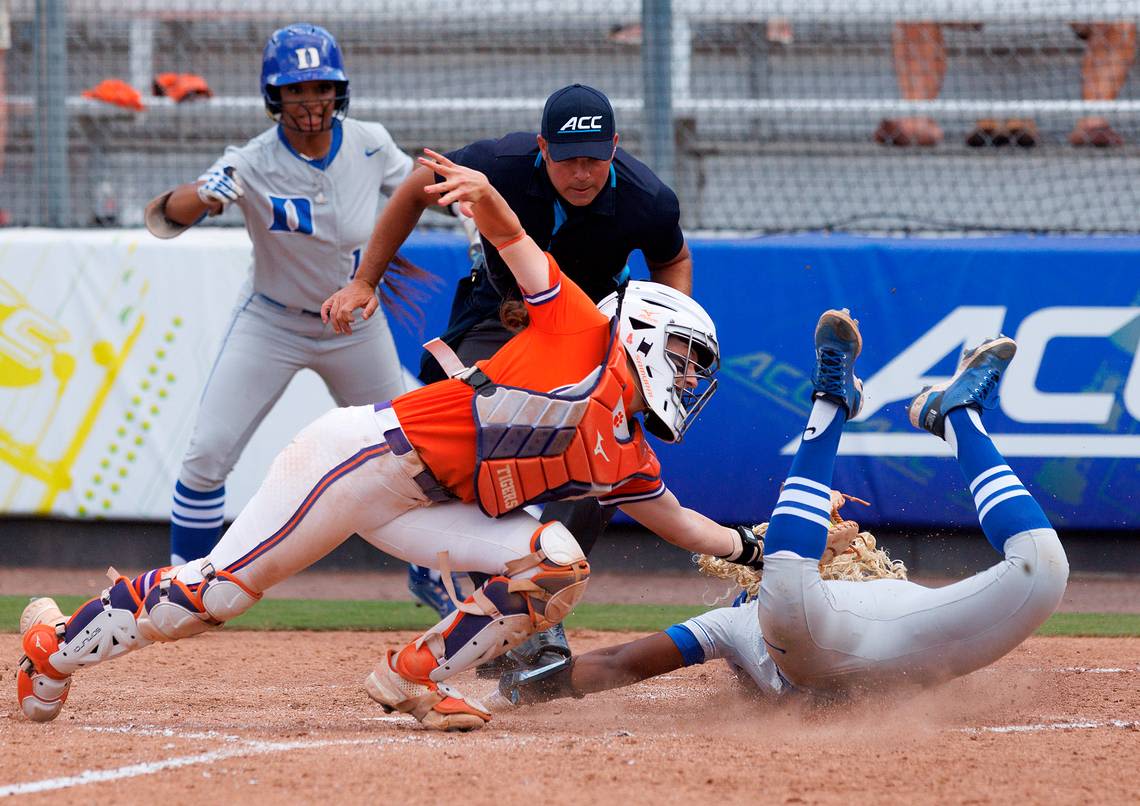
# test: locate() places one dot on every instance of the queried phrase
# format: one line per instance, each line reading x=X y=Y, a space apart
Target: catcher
x=418 y=477
x=831 y=614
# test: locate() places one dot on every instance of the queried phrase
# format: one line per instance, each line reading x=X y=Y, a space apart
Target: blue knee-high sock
x=802 y=516
x=1005 y=507
x=196 y=520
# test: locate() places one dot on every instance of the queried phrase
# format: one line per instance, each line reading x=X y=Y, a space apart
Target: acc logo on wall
x=1060 y=350
x=1068 y=418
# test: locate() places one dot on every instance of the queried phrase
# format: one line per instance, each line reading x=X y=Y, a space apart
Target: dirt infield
x=282 y=718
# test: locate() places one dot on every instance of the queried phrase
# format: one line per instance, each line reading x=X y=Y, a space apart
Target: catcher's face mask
x=672 y=344
x=694 y=363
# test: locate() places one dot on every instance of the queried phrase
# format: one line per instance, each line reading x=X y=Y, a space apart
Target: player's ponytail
x=403 y=290
x=513 y=315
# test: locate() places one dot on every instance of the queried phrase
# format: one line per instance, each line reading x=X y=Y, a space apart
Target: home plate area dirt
x=283 y=718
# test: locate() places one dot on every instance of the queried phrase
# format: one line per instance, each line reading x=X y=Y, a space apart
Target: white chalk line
x=165 y=732
x=1051 y=726
x=248 y=747
x=253 y=747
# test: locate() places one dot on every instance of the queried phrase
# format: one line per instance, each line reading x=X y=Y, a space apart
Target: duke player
x=418 y=477
x=308 y=189
x=828 y=637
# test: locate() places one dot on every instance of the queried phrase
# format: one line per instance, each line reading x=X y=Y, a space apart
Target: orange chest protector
x=532 y=447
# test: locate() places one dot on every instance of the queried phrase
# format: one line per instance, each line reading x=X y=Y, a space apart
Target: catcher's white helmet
x=672 y=343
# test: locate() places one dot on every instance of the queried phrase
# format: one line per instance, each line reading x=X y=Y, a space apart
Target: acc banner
x=1070 y=402
x=107 y=339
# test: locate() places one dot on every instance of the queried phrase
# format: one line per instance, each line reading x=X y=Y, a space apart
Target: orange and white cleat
x=398 y=687
x=41 y=689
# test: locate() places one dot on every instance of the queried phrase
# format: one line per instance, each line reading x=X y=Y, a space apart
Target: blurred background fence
x=761 y=113
x=947 y=117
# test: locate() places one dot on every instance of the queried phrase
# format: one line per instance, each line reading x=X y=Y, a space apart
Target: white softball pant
x=263 y=349
x=340 y=476
x=848 y=635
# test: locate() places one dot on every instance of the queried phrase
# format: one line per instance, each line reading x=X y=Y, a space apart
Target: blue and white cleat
x=974 y=383
x=837 y=345
x=427 y=587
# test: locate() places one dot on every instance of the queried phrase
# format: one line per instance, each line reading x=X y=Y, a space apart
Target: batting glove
x=220 y=187
x=751 y=551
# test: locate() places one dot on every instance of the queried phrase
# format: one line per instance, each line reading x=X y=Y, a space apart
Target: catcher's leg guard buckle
x=436 y=705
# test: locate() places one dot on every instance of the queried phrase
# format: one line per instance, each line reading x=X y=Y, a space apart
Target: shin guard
x=133 y=613
x=176 y=609
x=538 y=591
x=102 y=628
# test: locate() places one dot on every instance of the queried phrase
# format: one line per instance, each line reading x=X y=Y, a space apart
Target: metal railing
x=663 y=84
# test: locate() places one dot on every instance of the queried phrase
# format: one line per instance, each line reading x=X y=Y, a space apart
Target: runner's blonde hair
x=861 y=560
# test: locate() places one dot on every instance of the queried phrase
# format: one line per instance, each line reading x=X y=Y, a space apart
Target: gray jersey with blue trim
x=309 y=220
x=733 y=633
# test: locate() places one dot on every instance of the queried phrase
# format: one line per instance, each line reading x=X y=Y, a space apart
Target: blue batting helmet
x=301 y=52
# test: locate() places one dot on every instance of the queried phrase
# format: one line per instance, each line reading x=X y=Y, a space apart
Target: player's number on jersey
x=308 y=58
x=355 y=263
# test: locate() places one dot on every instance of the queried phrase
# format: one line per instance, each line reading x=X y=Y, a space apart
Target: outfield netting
x=762 y=115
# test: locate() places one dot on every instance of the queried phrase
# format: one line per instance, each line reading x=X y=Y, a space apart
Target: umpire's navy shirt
x=634 y=210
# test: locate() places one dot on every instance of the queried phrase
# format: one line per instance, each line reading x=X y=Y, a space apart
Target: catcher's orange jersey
x=593 y=447
x=565 y=341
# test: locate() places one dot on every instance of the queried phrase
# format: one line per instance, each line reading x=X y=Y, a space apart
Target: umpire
x=580 y=197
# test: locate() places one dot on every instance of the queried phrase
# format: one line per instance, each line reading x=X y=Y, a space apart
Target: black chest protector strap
x=454 y=368
x=476 y=379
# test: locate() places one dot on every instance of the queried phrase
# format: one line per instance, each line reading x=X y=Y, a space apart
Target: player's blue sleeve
x=691 y=651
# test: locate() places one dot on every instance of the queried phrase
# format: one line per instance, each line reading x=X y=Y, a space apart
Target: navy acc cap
x=578 y=121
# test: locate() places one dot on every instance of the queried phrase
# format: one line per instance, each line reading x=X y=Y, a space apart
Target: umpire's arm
x=676 y=273
x=395 y=224
x=663 y=243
